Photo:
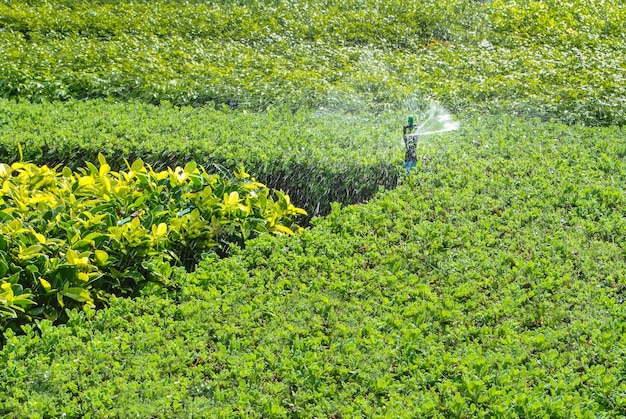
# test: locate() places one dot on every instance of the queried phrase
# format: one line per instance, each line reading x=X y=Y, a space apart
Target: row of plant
x=69 y=239
x=528 y=57
x=490 y=284
x=252 y=22
x=315 y=157
x=247 y=55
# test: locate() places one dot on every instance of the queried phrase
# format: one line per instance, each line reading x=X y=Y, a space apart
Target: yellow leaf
x=84 y=261
x=252 y=185
x=40 y=237
x=180 y=174
x=101 y=256
x=39 y=198
x=231 y=199
x=29 y=252
x=104 y=169
x=6 y=286
x=107 y=186
x=161 y=229
x=244 y=208
x=86 y=181
x=83 y=277
x=45 y=284
x=5 y=169
x=71 y=256
x=282 y=229
x=101 y=159
x=292 y=209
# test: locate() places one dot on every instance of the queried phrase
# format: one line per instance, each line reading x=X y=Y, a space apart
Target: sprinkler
x=410 y=142
x=438 y=121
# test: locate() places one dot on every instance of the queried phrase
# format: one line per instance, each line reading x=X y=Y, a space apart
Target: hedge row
x=251 y=54
x=545 y=59
x=315 y=157
x=490 y=284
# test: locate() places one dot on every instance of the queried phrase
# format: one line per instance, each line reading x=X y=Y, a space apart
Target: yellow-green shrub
x=73 y=238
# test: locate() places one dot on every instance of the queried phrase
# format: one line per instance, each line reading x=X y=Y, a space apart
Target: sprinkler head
x=411 y=121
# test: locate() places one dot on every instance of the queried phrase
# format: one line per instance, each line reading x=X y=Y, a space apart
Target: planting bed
x=490 y=282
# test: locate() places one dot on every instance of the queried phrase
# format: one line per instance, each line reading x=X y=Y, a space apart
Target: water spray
x=438 y=121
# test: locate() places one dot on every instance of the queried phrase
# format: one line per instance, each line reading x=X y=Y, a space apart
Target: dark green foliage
x=490 y=284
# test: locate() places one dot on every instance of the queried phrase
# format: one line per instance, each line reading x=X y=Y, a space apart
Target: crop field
x=204 y=210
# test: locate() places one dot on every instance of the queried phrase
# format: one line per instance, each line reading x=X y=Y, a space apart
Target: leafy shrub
x=199 y=53
x=74 y=238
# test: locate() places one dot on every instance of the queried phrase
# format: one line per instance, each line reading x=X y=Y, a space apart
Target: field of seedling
x=205 y=209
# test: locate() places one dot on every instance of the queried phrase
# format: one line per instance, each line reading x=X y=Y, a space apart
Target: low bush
x=539 y=59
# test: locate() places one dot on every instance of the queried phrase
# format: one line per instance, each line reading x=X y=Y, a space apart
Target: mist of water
x=438 y=121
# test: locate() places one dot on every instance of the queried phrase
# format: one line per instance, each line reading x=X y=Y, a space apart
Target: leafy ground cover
x=490 y=284
x=497 y=55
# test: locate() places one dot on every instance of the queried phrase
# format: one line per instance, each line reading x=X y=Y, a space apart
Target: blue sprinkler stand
x=410 y=159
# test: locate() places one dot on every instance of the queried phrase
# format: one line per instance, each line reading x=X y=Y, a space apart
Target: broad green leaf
x=77 y=294
x=191 y=167
x=137 y=166
x=30 y=251
x=60 y=299
x=4 y=268
x=92 y=168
